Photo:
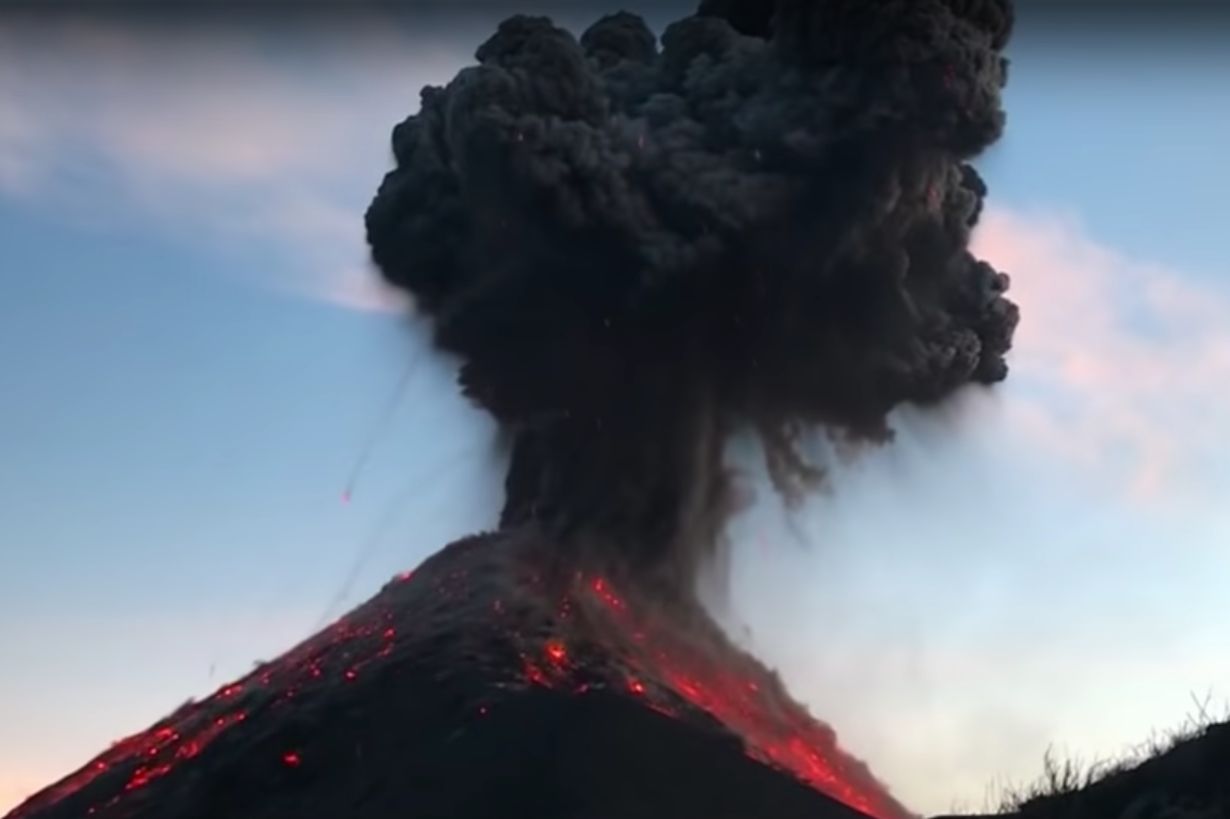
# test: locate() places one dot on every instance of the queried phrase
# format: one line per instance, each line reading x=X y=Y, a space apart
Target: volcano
x=636 y=248
x=479 y=686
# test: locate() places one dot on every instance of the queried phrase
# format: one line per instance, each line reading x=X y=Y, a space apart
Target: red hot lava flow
x=479 y=609
x=687 y=669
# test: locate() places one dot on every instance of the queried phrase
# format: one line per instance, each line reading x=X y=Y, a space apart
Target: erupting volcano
x=637 y=248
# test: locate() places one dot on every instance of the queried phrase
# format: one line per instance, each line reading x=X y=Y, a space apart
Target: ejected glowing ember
x=636 y=248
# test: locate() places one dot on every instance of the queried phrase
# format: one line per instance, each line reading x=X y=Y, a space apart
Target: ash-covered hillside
x=481 y=686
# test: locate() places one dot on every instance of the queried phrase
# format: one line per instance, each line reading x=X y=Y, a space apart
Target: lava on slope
x=438 y=652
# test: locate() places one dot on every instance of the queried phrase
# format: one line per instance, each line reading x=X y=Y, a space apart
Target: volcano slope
x=477 y=686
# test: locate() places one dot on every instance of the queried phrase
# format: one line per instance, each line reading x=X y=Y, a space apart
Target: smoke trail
x=637 y=247
x=382 y=424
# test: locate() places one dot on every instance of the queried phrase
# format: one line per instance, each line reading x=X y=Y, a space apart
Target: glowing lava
x=479 y=608
x=676 y=669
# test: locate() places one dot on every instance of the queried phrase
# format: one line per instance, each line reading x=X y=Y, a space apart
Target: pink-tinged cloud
x=356 y=288
x=340 y=274
x=1120 y=365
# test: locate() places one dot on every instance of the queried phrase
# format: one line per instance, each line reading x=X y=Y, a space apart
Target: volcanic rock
x=477 y=686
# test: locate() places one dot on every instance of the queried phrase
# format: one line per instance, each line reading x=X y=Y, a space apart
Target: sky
x=194 y=351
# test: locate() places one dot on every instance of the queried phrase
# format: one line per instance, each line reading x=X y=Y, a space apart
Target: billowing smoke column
x=637 y=249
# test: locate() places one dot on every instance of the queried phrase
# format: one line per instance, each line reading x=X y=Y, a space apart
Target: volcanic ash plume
x=637 y=248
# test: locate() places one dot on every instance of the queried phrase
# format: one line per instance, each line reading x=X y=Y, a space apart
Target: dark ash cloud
x=637 y=246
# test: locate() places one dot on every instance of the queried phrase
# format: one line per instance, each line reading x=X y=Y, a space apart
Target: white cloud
x=1118 y=363
x=215 y=138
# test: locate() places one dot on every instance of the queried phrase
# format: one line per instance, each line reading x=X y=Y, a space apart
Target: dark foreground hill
x=477 y=687
x=1189 y=780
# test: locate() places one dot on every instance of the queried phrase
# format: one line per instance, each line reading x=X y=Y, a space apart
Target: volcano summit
x=637 y=248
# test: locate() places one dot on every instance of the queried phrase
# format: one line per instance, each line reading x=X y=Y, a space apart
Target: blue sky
x=193 y=352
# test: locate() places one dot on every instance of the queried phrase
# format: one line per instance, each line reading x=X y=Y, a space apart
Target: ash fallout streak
x=638 y=248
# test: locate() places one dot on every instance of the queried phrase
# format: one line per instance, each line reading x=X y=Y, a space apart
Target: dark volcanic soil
x=476 y=687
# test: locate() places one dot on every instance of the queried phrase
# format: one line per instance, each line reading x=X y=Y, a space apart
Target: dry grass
x=1065 y=777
